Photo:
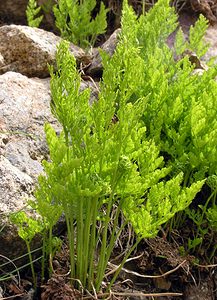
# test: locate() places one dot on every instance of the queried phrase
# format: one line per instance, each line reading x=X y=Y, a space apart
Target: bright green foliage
x=28 y=227
x=74 y=20
x=162 y=202
x=196 y=35
x=49 y=212
x=47 y=216
x=211 y=213
x=181 y=108
x=32 y=12
x=110 y=154
x=99 y=161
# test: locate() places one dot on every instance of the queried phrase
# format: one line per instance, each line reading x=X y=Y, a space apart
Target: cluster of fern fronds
x=150 y=163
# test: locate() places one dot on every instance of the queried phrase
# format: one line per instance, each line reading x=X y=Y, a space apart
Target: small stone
x=109 y=47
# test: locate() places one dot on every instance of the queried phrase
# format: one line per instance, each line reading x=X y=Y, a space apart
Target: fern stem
x=92 y=247
x=123 y=262
x=31 y=263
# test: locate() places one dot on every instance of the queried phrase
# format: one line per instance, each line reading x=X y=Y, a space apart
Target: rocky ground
x=25 y=107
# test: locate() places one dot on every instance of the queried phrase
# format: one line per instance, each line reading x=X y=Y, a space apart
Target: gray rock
x=94 y=89
x=29 y=50
x=211 y=39
x=24 y=108
x=2 y=63
x=109 y=47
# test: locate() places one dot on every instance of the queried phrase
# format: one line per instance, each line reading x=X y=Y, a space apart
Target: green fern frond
x=32 y=12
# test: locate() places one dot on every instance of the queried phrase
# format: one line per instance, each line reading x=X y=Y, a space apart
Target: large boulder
x=29 y=50
x=24 y=108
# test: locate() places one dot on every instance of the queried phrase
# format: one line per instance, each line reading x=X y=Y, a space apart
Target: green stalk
x=72 y=247
x=70 y=231
x=102 y=261
x=123 y=262
x=143 y=7
x=31 y=263
x=214 y=197
x=92 y=246
x=79 y=241
x=87 y=227
x=50 y=249
x=68 y=209
x=43 y=255
x=111 y=247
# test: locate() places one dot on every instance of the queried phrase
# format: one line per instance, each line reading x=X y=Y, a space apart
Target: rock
x=94 y=89
x=109 y=46
x=186 y=21
x=211 y=39
x=24 y=108
x=28 y=50
x=2 y=63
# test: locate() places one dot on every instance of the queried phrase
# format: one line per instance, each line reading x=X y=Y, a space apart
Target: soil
x=160 y=268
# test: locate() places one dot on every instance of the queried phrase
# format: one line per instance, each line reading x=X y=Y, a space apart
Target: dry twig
x=144 y=276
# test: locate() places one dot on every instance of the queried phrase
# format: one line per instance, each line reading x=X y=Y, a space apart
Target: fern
x=27 y=227
x=181 y=107
x=196 y=35
x=74 y=20
x=31 y=13
x=180 y=113
x=97 y=163
x=110 y=154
